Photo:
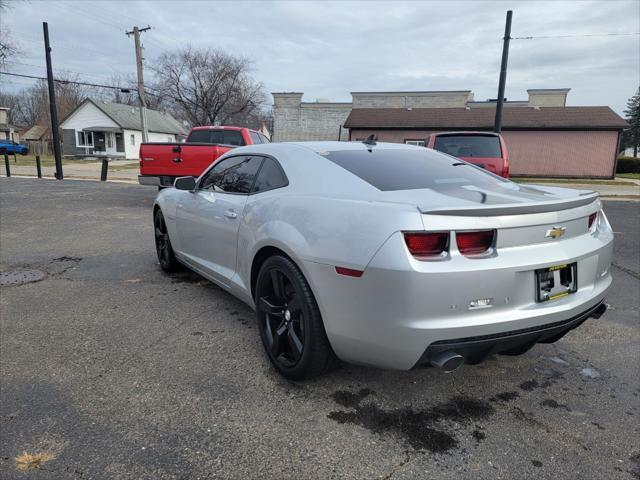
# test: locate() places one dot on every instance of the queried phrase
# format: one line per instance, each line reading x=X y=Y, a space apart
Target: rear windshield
x=224 y=137
x=487 y=146
x=410 y=169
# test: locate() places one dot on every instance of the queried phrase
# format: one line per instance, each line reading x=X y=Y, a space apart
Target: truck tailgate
x=178 y=159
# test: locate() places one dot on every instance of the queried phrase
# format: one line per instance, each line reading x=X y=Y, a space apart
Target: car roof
x=222 y=127
x=466 y=132
x=320 y=148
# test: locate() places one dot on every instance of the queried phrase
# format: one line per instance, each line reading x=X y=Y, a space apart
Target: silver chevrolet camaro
x=387 y=255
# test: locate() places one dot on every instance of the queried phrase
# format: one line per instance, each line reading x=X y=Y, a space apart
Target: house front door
x=99 y=142
x=119 y=143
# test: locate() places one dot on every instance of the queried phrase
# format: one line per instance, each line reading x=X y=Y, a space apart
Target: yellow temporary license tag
x=557 y=267
x=564 y=294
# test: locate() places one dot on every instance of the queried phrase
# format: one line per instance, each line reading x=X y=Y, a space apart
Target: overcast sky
x=328 y=49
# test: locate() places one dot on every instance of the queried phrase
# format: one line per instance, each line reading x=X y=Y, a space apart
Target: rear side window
x=397 y=169
x=255 y=138
x=487 y=146
x=232 y=175
x=265 y=139
x=224 y=137
x=271 y=176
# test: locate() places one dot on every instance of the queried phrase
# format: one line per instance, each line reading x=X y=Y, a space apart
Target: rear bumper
x=476 y=349
x=156 y=180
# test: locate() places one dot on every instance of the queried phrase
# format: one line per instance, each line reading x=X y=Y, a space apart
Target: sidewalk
x=119 y=170
x=628 y=188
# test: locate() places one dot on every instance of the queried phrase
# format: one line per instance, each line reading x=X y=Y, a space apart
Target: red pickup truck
x=162 y=163
x=485 y=149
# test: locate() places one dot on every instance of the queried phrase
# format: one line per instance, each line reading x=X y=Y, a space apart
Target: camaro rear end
x=519 y=287
x=388 y=255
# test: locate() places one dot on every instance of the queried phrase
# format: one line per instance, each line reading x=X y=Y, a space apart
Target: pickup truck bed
x=162 y=163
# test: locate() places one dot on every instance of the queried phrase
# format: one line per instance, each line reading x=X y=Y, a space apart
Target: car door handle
x=230 y=214
x=176 y=160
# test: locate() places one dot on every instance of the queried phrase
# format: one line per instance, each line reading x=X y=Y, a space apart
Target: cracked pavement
x=122 y=372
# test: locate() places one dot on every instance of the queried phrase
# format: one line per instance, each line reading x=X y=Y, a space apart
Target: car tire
x=290 y=323
x=164 y=250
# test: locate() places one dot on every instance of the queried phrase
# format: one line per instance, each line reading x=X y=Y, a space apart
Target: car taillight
x=475 y=243
x=427 y=245
x=592 y=219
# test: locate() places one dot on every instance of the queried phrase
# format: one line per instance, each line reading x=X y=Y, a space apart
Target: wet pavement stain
x=478 y=435
x=350 y=399
x=506 y=396
x=423 y=430
x=553 y=404
x=529 y=385
x=635 y=470
x=536 y=463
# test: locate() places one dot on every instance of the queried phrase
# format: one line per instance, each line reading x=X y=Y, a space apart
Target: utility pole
x=497 y=126
x=53 y=111
x=143 y=101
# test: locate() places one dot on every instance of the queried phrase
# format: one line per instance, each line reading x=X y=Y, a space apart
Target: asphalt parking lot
x=120 y=371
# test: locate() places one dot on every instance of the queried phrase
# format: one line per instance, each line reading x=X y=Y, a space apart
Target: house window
x=418 y=143
x=132 y=139
x=85 y=139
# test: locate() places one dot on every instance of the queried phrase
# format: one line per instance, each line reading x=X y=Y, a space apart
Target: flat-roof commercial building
x=544 y=136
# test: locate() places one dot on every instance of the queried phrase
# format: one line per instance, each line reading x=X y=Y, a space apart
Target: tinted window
x=255 y=138
x=232 y=175
x=224 y=137
x=271 y=176
x=469 y=145
x=411 y=169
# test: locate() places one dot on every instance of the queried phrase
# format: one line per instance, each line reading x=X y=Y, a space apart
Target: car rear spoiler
x=585 y=198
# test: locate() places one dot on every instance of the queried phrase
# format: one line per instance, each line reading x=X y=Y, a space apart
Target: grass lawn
x=578 y=181
x=635 y=176
x=115 y=167
x=45 y=160
x=49 y=161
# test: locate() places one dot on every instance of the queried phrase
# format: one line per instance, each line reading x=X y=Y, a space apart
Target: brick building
x=543 y=135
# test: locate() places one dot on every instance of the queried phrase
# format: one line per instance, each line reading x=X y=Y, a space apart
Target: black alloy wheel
x=290 y=324
x=164 y=250
x=283 y=318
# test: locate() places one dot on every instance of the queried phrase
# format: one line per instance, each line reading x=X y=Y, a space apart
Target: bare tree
x=207 y=87
x=8 y=48
x=30 y=106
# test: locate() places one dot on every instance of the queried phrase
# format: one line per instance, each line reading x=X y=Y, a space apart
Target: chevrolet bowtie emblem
x=555 y=232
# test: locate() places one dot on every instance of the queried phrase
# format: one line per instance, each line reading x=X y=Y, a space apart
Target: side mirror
x=185 y=183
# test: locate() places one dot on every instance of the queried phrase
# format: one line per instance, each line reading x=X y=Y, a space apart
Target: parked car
x=485 y=149
x=162 y=163
x=387 y=255
x=11 y=147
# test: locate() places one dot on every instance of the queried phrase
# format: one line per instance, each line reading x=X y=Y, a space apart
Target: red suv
x=485 y=149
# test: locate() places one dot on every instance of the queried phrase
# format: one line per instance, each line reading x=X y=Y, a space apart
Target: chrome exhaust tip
x=447 y=361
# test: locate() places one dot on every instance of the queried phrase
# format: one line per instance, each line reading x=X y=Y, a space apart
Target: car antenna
x=370 y=141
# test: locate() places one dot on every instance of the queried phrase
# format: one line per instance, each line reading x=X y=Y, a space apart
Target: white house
x=7 y=131
x=113 y=129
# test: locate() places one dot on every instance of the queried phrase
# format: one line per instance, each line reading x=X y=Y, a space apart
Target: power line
x=61 y=69
x=12 y=74
x=35 y=77
x=576 y=35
